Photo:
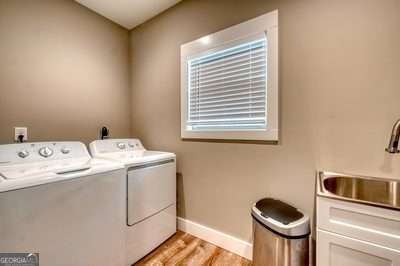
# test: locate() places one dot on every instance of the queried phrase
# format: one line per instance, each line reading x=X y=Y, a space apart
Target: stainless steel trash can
x=281 y=234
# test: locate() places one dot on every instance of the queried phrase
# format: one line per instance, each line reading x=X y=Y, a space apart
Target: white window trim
x=251 y=29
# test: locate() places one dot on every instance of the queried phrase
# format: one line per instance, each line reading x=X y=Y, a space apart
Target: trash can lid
x=281 y=218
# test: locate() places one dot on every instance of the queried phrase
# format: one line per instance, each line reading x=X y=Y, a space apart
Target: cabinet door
x=337 y=250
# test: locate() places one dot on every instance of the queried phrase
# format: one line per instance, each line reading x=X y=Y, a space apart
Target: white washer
x=151 y=193
x=57 y=201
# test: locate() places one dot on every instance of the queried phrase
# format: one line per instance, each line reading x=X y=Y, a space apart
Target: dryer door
x=151 y=188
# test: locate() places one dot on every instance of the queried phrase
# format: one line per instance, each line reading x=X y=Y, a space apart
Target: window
x=229 y=83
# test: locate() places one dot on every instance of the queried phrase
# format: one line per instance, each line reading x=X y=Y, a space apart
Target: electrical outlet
x=20 y=131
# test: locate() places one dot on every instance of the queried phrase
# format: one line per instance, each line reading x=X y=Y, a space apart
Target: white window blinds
x=227 y=89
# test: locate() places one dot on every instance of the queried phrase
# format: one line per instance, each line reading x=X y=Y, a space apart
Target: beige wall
x=340 y=92
x=64 y=71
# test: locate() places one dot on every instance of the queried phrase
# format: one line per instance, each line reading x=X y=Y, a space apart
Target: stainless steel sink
x=374 y=191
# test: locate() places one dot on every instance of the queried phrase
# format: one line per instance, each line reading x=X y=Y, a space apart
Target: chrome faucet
x=394 y=139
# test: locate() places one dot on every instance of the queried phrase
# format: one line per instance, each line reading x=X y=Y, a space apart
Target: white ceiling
x=128 y=13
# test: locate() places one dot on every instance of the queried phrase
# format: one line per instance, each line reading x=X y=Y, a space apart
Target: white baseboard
x=225 y=241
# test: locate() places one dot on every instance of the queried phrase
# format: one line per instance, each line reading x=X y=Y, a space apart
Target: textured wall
x=64 y=71
x=339 y=97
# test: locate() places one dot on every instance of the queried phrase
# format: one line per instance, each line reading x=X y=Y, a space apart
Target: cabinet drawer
x=363 y=222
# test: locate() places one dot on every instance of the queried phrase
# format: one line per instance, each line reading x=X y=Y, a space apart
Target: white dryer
x=151 y=193
x=57 y=201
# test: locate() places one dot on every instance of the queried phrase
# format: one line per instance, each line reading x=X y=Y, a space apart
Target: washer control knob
x=45 y=152
x=121 y=145
x=23 y=153
x=131 y=144
x=65 y=150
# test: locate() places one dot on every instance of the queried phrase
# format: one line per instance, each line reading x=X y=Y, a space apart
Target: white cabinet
x=350 y=234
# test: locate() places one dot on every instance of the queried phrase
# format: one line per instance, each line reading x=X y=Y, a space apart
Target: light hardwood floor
x=183 y=249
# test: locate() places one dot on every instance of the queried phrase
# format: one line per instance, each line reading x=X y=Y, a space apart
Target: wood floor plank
x=183 y=249
x=227 y=258
x=181 y=255
x=168 y=249
x=200 y=255
x=216 y=254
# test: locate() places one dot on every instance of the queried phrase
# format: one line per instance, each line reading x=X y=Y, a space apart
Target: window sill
x=240 y=141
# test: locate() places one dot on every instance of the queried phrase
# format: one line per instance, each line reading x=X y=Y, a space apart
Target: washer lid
x=24 y=165
x=281 y=217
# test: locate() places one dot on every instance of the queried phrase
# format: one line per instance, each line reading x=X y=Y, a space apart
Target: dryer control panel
x=116 y=145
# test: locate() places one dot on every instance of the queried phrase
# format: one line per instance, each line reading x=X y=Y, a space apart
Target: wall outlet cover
x=20 y=131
